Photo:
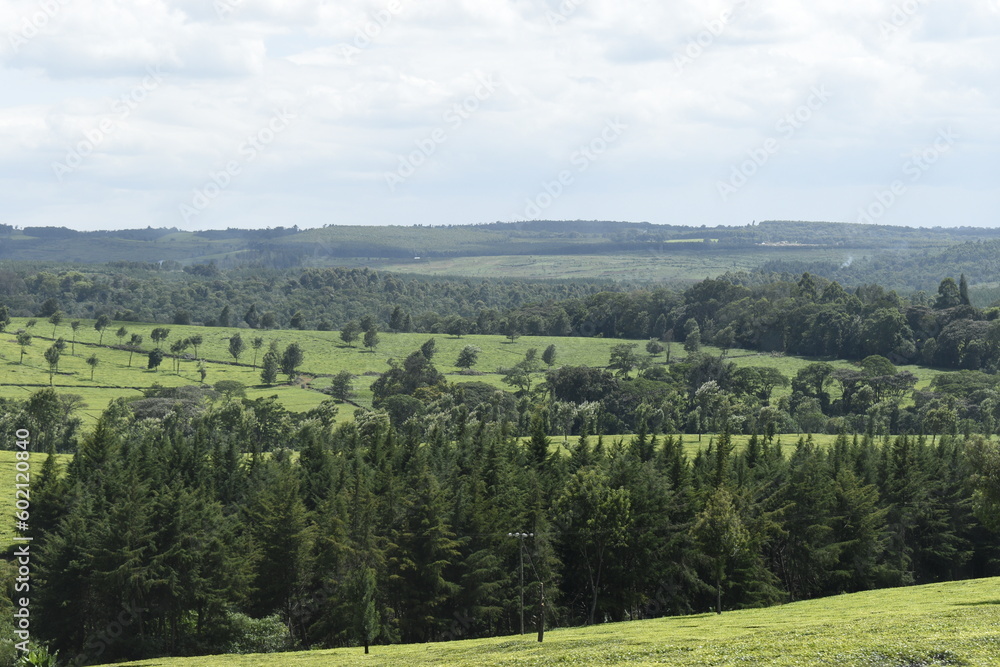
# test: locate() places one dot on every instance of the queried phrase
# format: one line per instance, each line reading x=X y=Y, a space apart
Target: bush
x=258 y=635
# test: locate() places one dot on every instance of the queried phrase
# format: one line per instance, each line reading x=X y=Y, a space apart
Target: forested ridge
x=290 y=247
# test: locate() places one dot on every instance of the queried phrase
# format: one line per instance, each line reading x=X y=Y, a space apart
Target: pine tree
x=421 y=556
x=963 y=290
x=721 y=535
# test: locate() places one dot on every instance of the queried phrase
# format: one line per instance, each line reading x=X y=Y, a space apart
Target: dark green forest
x=237 y=527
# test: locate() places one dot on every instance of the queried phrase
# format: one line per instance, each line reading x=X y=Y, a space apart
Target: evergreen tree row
x=214 y=536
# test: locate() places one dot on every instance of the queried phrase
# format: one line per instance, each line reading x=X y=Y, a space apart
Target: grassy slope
x=325 y=354
x=679 y=264
x=955 y=623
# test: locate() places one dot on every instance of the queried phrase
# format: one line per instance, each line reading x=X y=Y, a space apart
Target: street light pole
x=520 y=569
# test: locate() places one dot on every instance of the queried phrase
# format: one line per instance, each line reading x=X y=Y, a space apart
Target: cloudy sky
x=198 y=114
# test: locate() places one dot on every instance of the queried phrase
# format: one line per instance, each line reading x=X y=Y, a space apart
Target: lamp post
x=520 y=569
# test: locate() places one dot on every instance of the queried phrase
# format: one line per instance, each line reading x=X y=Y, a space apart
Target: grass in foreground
x=955 y=623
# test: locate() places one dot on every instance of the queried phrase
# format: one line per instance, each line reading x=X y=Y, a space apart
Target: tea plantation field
x=955 y=623
x=120 y=373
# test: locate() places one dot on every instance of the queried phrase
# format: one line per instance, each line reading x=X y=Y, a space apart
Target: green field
x=325 y=355
x=680 y=265
x=955 y=623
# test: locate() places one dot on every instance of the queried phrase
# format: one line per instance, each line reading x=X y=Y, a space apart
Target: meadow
x=680 y=265
x=956 y=623
x=325 y=355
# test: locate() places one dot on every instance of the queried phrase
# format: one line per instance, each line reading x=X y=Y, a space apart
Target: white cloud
x=700 y=84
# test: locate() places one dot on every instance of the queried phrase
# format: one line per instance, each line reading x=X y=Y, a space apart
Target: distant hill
x=824 y=246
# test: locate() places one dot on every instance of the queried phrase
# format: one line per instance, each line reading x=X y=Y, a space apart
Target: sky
x=207 y=114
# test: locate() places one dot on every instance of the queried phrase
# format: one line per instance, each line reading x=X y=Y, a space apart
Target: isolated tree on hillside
x=371 y=339
x=341 y=385
x=468 y=357
x=74 y=326
x=159 y=334
x=177 y=349
x=654 y=347
x=518 y=375
x=236 y=346
x=100 y=325
x=349 y=333
x=134 y=344
x=155 y=358
x=512 y=330
x=31 y=323
x=230 y=389
x=52 y=357
x=291 y=359
x=92 y=361
x=4 y=317
x=549 y=355
x=24 y=340
x=55 y=319
x=623 y=358
x=195 y=341
x=270 y=365
x=256 y=343
x=456 y=326
x=120 y=334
